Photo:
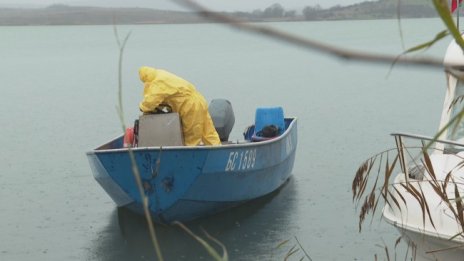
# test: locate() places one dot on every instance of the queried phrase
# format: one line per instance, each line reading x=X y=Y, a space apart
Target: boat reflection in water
x=240 y=229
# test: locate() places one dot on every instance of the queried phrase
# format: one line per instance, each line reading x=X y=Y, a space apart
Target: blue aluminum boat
x=183 y=183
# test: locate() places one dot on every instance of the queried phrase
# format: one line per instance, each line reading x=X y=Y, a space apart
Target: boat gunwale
x=391 y=219
x=394 y=220
x=205 y=147
x=428 y=138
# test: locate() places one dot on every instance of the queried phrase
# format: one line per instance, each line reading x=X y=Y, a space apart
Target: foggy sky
x=218 y=5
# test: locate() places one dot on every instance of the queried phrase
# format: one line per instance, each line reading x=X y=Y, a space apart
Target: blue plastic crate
x=269 y=116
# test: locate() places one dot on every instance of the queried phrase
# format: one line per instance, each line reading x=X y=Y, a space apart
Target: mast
x=456 y=5
x=457 y=14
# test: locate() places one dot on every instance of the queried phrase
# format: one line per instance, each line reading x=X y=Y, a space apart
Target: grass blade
x=428 y=44
x=211 y=251
x=443 y=11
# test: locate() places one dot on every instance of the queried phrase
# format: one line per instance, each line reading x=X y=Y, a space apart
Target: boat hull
x=427 y=246
x=185 y=183
x=435 y=234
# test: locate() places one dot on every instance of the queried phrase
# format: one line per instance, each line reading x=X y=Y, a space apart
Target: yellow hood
x=147 y=74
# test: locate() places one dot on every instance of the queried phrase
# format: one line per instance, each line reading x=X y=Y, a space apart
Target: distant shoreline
x=84 y=15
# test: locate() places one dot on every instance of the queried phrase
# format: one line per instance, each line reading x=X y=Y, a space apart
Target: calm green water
x=58 y=99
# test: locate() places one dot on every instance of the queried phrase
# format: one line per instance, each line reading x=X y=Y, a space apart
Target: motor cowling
x=223 y=117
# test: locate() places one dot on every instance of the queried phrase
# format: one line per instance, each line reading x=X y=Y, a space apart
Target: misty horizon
x=238 y=5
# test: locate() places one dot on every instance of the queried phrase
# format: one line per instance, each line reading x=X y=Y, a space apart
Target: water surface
x=59 y=94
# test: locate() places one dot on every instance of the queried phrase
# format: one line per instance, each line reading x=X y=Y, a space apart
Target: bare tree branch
x=309 y=43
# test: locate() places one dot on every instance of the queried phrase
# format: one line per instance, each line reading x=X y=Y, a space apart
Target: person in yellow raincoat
x=161 y=86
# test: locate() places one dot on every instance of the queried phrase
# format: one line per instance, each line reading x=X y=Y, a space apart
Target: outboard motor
x=223 y=117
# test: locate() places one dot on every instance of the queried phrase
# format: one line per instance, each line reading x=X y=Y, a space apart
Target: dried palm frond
x=372 y=191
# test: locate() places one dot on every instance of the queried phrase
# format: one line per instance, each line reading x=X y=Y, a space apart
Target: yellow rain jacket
x=164 y=87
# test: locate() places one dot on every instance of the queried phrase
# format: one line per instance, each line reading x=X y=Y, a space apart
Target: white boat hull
x=425 y=246
x=435 y=234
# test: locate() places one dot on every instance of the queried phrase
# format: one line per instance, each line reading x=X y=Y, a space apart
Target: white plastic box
x=160 y=130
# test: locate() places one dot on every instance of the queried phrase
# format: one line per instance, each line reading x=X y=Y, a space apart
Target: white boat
x=425 y=200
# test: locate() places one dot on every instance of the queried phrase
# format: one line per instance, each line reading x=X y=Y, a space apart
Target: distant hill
x=382 y=9
x=67 y=15
x=80 y=15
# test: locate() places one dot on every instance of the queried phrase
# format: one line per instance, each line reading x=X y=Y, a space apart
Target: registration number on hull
x=241 y=160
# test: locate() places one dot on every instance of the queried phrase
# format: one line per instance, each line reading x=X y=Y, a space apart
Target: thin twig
x=304 y=251
x=135 y=170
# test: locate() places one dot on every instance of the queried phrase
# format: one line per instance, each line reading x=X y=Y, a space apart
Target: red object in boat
x=128 y=137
